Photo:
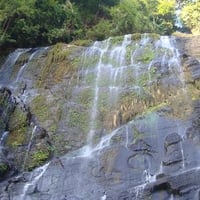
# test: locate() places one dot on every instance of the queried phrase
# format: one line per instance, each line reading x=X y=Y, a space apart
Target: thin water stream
x=35 y=177
x=29 y=146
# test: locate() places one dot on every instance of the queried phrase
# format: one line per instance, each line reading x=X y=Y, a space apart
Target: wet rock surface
x=121 y=124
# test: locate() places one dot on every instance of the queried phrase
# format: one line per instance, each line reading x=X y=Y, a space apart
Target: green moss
x=104 y=81
x=144 y=78
x=129 y=50
x=38 y=158
x=91 y=61
x=106 y=59
x=59 y=144
x=59 y=63
x=197 y=84
x=53 y=127
x=136 y=36
x=18 y=119
x=137 y=135
x=3 y=102
x=3 y=168
x=129 y=96
x=18 y=126
x=193 y=91
x=17 y=137
x=115 y=41
x=157 y=107
x=39 y=108
x=82 y=42
x=90 y=78
x=147 y=55
x=155 y=36
x=78 y=119
x=103 y=102
x=85 y=97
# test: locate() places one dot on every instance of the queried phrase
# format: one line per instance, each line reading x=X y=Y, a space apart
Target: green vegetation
x=157 y=107
x=3 y=168
x=33 y=22
x=137 y=135
x=146 y=56
x=28 y=23
x=18 y=128
x=40 y=108
x=190 y=16
x=78 y=119
x=85 y=97
x=59 y=144
x=38 y=158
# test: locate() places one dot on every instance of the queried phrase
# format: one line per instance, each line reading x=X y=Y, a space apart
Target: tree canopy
x=190 y=16
x=28 y=23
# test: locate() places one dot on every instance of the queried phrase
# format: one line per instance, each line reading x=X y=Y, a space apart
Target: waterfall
x=6 y=69
x=106 y=53
x=117 y=118
x=35 y=177
x=96 y=92
x=23 y=67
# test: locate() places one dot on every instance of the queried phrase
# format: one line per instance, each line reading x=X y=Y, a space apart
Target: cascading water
x=96 y=94
x=35 y=177
x=6 y=69
x=3 y=138
x=133 y=138
x=22 y=69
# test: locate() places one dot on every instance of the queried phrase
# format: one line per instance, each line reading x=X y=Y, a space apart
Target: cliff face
x=118 y=120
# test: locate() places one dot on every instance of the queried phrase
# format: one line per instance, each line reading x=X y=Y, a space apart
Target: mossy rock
x=78 y=118
x=136 y=36
x=197 y=84
x=146 y=56
x=18 y=119
x=17 y=137
x=137 y=135
x=38 y=158
x=40 y=108
x=59 y=144
x=84 y=43
x=85 y=97
x=117 y=40
x=3 y=169
x=18 y=127
x=61 y=61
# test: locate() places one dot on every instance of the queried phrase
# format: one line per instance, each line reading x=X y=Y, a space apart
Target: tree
x=190 y=16
x=31 y=22
x=144 y=16
x=164 y=16
x=92 y=11
x=10 y=13
x=131 y=16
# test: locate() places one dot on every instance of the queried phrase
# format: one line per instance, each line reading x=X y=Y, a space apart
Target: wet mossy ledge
x=61 y=62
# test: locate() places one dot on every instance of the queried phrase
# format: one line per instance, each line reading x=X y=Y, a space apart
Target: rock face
x=116 y=120
x=7 y=107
